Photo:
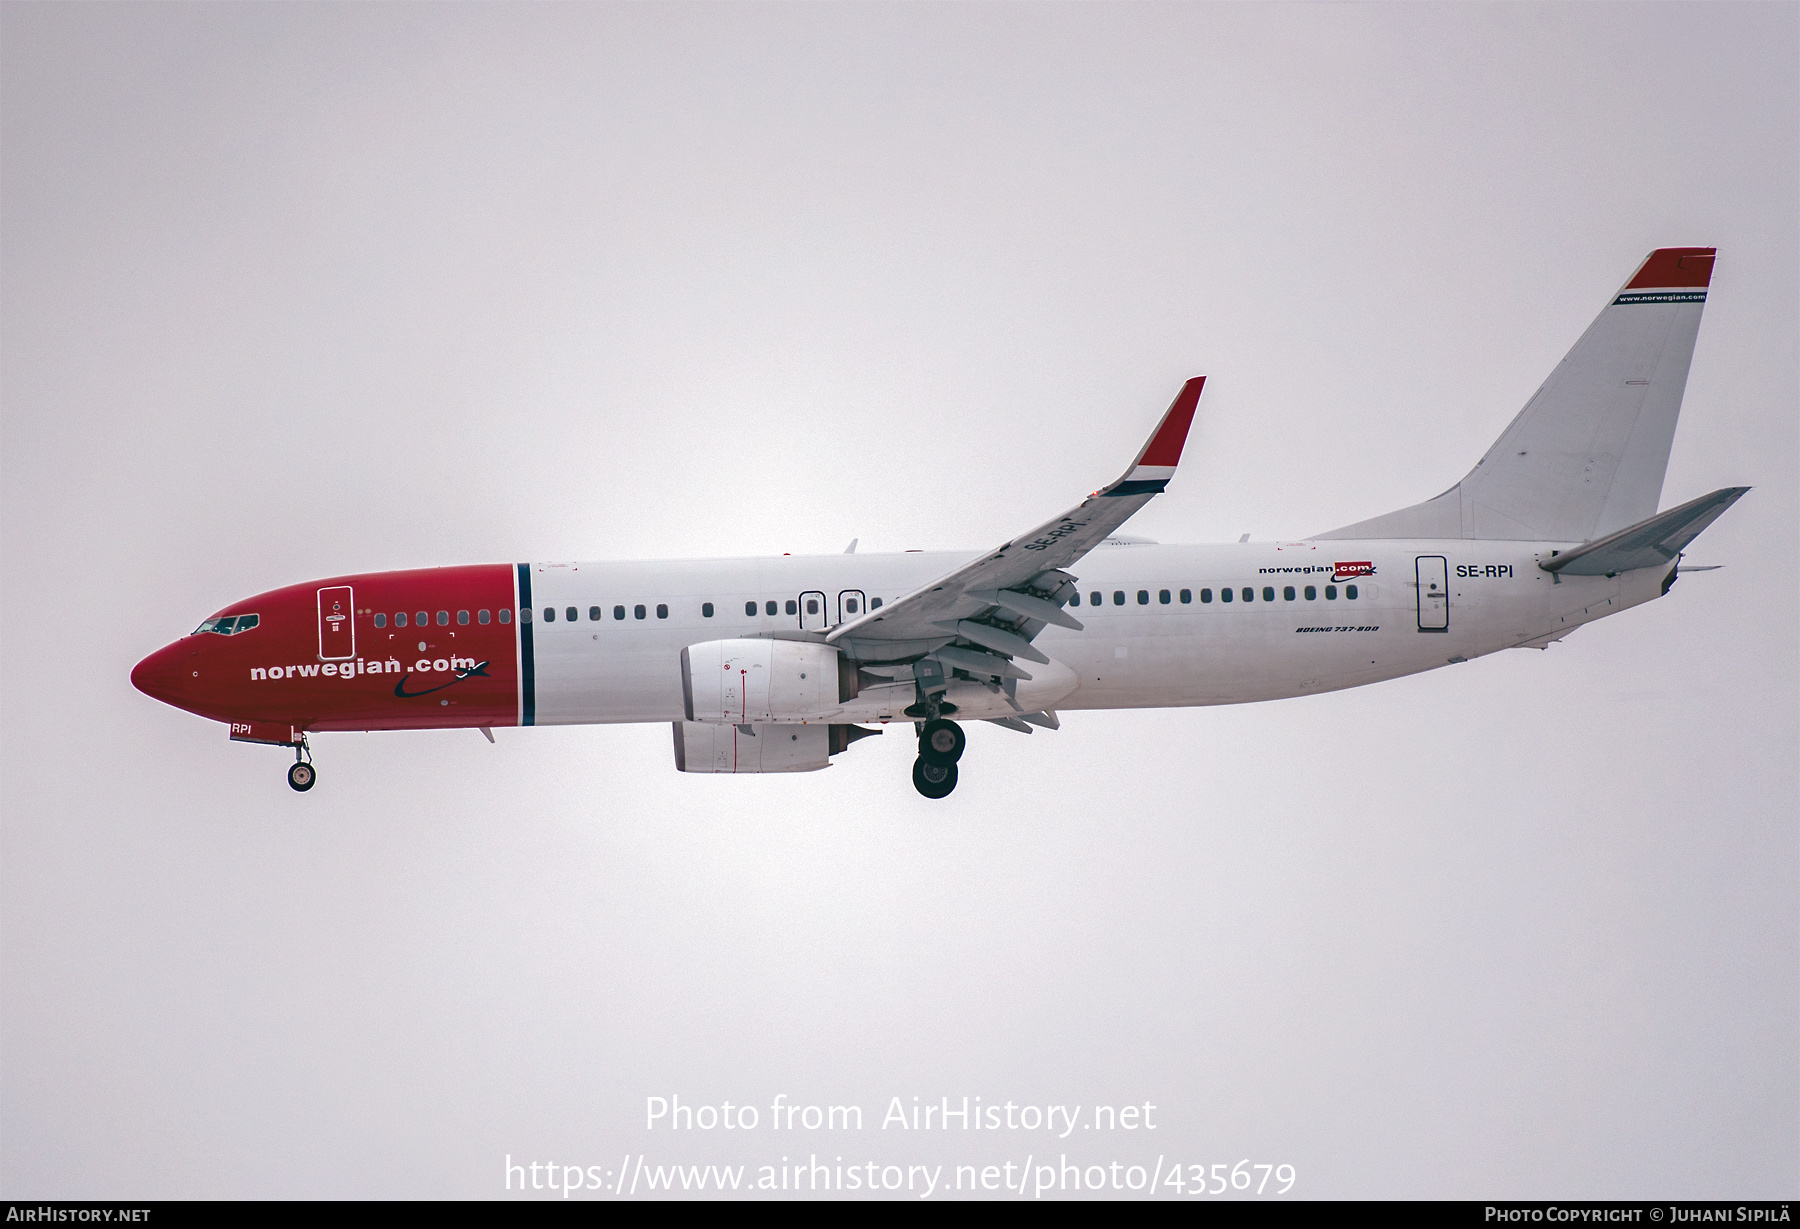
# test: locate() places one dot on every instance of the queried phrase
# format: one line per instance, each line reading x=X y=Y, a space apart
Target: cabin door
x=850 y=605
x=1434 y=593
x=337 y=623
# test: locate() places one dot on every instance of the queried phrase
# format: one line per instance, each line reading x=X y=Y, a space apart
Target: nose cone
x=160 y=675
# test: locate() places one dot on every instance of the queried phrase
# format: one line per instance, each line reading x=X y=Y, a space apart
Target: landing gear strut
x=301 y=775
x=941 y=744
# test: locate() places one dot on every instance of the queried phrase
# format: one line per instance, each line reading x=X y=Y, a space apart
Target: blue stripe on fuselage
x=527 y=661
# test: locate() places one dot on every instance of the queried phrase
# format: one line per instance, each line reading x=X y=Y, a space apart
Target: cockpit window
x=228 y=625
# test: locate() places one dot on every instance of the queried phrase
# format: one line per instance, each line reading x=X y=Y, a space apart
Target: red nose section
x=160 y=675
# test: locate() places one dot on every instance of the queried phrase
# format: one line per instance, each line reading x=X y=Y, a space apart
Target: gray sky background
x=292 y=291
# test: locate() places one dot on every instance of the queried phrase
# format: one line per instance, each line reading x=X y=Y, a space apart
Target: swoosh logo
x=478 y=670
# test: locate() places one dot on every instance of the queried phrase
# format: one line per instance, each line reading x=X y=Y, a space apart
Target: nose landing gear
x=301 y=774
x=941 y=744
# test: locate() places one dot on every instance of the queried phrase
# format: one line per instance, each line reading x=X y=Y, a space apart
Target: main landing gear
x=941 y=744
x=301 y=775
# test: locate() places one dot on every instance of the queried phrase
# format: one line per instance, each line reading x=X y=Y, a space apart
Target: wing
x=1003 y=598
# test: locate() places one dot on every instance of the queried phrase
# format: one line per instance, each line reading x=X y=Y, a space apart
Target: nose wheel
x=301 y=773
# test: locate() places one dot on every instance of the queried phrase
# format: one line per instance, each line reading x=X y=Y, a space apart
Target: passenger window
x=462 y=618
x=572 y=614
x=1331 y=593
x=443 y=618
x=1118 y=597
x=1187 y=597
x=1268 y=593
x=875 y=604
x=1094 y=599
x=506 y=616
x=524 y=614
x=1312 y=594
x=1349 y=592
x=662 y=611
x=400 y=619
x=1287 y=594
x=595 y=614
x=812 y=605
x=750 y=609
x=618 y=612
x=549 y=614
x=769 y=608
x=1249 y=595
x=793 y=607
x=1143 y=597
x=850 y=606
x=380 y=620
x=706 y=610
x=422 y=618
x=1162 y=595
x=483 y=617
x=1224 y=594
x=637 y=612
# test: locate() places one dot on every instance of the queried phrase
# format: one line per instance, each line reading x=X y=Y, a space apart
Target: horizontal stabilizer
x=1646 y=544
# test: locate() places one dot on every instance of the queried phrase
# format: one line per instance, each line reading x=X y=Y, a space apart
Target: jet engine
x=711 y=747
x=756 y=682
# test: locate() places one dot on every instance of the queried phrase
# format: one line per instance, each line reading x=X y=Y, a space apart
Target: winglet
x=1155 y=465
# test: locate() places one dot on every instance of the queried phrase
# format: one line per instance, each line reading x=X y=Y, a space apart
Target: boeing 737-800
x=776 y=665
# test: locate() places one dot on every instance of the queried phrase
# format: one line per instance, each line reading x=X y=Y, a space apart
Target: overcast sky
x=290 y=291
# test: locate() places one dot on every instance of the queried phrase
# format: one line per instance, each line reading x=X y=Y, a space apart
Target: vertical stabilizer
x=1587 y=454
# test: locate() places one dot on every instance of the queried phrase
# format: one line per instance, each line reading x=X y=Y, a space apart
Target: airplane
x=779 y=664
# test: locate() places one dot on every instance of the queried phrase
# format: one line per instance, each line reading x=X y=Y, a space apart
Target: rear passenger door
x=1434 y=593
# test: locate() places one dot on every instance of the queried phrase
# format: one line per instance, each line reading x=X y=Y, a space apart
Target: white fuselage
x=1138 y=650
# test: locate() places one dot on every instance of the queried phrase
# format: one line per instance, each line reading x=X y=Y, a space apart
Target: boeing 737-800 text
x=774 y=665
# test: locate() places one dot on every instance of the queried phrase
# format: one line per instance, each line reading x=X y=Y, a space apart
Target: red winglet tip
x=1669 y=268
x=1164 y=447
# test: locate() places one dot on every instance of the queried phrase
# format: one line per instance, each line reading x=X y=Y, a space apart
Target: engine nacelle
x=711 y=747
x=756 y=682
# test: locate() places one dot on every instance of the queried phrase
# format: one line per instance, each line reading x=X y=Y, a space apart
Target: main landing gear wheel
x=942 y=742
x=933 y=780
x=301 y=776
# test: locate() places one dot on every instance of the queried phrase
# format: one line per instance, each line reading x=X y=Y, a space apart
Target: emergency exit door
x=1434 y=593
x=812 y=611
x=337 y=623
